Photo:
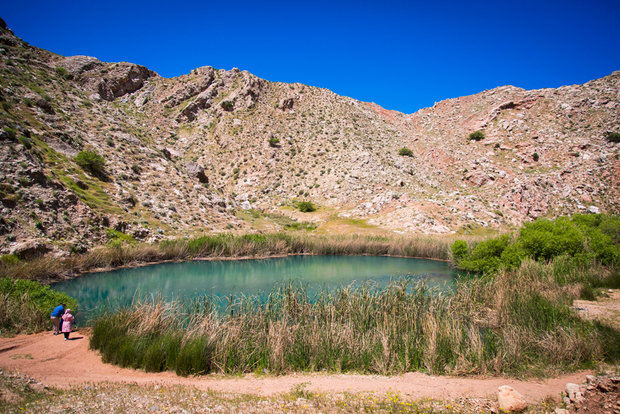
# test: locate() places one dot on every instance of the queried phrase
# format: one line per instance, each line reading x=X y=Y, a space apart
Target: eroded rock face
x=286 y=103
x=121 y=79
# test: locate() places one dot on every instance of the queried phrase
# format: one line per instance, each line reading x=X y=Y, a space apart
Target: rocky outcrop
x=76 y=65
x=197 y=171
x=597 y=394
x=106 y=81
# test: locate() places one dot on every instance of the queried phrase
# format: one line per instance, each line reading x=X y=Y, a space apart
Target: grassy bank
x=25 y=306
x=514 y=322
x=225 y=245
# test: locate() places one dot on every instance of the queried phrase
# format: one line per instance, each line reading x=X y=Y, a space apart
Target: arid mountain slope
x=218 y=150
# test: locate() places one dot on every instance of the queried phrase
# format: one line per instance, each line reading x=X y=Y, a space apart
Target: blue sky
x=401 y=55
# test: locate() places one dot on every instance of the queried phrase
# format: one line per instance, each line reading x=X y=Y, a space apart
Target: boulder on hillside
x=76 y=65
x=30 y=249
x=197 y=171
x=286 y=103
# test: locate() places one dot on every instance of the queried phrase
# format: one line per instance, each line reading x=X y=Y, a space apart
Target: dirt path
x=60 y=363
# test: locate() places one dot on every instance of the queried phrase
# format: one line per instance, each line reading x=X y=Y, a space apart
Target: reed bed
x=226 y=245
x=516 y=323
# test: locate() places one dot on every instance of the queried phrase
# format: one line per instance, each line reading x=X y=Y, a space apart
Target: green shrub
x=477 y=135
x=306 y=206
x=485 y=257
x=545 y=239
x=9 y=259
x=62 y=72
x=10 y=133
x=459 y=250
x=114 y=235
x=535 y=157
x=228 y=105
x=613 y=136
x=91 y=162
x=582 y=239
x=26 y=142
x=274 y=142
x=405 y=152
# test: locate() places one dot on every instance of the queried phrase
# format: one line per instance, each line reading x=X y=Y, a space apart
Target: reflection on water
x=223 y=278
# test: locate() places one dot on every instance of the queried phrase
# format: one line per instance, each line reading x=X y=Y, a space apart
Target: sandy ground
x=60 y=363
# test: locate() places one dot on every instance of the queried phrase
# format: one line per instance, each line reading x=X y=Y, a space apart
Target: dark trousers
x=66 y=334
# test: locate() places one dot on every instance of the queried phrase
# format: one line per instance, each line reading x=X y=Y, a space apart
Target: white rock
x=572 y=389
x=594 y=210
x=510 y=400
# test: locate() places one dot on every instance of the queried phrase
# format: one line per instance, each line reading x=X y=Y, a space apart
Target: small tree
x=613 y=136
x=477 y=135
x=92 y=162
x=405 y=152
x=306 y=206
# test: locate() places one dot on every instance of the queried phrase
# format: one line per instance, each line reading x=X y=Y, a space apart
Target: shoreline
x=73 y=274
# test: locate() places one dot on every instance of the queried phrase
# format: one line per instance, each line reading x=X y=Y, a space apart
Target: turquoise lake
x=256 y=277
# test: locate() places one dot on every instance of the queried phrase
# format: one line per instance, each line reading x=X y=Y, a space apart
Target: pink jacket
x=67 y=322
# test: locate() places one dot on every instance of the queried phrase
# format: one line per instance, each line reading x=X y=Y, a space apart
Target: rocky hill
x=218 y=150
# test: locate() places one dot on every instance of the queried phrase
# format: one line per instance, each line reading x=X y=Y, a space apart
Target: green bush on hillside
x=584 y=238
x=306 y=206
x=91 y=162
x=613 y=136
x=476 y=136
x=405 y=152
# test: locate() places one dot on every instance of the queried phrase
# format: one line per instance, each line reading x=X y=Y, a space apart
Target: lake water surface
x=223 y=278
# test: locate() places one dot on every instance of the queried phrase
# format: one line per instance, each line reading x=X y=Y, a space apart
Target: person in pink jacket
x=67 y=323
